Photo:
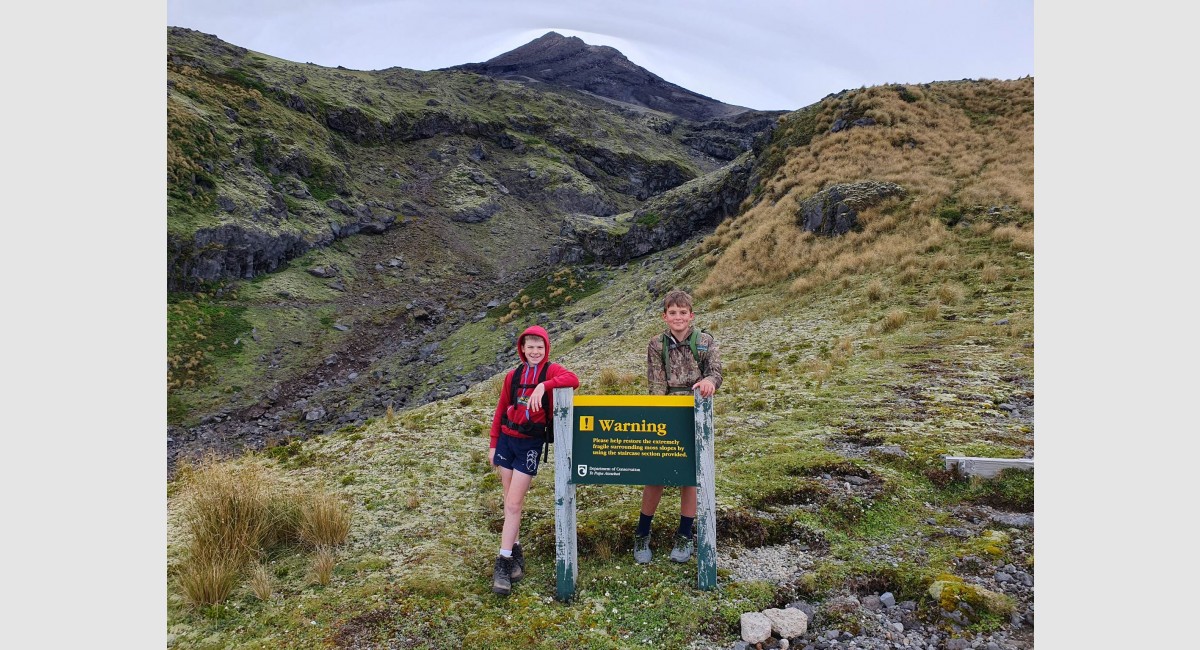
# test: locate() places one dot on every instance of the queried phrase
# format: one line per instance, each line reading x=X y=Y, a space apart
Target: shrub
x=206 y=580
x=262 y=583
x=894 y=320
x=932 y=311
x=609 y=378
x=323 y=563
x=227 y=513
x=951 y=294
x=875 y=291
x=943 y=262
x=982 y=227
x=324 y=520
x=1019 y=239
x=233 y=513
x=950 y=215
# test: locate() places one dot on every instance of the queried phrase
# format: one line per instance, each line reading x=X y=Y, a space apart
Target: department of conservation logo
x=581 y=470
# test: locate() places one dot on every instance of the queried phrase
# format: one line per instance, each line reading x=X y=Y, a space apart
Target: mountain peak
x=601 y=70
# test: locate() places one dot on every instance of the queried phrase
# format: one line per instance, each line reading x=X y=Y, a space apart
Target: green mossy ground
x=427 y=510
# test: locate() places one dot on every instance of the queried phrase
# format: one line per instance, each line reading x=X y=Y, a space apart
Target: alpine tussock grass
x=957 y=148
x=234 y=514
x=324 y=520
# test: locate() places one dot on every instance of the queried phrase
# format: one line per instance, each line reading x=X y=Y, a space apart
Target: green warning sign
x=634 y=440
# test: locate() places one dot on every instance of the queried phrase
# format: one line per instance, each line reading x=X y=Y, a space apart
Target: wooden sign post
x=632 y=440
x=566 y=564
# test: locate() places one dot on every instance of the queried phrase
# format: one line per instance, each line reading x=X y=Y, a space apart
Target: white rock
x=787 y=623
x=756 y=628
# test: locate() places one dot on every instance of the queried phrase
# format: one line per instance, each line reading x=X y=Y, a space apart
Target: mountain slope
x=327 y=226
x=873 y=298
x=601 y=70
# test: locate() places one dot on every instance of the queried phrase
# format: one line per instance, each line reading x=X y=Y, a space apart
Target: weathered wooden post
x=565 y=550
x=706 y=502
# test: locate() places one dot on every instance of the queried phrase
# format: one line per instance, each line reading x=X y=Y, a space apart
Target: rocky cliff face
x=601 y=70
x=666 y=220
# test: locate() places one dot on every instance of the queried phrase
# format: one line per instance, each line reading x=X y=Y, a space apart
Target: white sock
x=504 y=553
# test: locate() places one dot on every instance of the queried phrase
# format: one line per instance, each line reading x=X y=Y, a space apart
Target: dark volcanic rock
x=834 y=211
x=601 y=70
x=665 y=220
x=230 y=251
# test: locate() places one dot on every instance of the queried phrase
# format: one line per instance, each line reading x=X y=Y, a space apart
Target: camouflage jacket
x=683 y=370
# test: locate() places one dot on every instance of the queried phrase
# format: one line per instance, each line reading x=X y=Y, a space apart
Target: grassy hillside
x=853 y=364
x=469 y=179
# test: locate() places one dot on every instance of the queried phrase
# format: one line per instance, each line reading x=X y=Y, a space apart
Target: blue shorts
x=518 y=454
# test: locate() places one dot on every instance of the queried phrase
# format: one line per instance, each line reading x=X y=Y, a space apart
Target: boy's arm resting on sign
x=710 y=367
x=656 y=374
x=556 y=377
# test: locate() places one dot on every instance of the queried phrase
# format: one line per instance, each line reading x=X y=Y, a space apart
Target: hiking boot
x=502 y=576
x=683 y=549
x=641 y=549
x=518 y=570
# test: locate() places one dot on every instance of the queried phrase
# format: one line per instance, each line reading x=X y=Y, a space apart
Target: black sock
x=643 y=528
x=685 y=526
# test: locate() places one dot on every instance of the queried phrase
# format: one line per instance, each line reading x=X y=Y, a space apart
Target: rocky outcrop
x=664 y=221
x=834 y=211
x=600 y=70
x=633 y=174
x=727 y=138
x=231 y=251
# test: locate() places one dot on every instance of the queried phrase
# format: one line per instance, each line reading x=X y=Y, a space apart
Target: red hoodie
x=556 y=377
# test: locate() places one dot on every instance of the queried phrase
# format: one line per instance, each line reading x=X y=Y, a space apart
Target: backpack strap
x=665 y=343
x=692 y=340
x=528 y=429
x=548 y=432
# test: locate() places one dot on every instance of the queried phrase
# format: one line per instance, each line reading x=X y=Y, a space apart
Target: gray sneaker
x=641 y=549
x=683 y=549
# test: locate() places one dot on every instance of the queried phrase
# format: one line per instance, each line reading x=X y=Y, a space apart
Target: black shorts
x=518 y=454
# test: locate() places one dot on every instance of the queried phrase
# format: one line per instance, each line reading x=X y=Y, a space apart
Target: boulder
x=951 y=593
x=787 y=623
x=834 y=211
x=756 y=627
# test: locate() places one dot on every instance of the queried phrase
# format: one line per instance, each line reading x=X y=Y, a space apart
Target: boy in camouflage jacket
x=682 y=374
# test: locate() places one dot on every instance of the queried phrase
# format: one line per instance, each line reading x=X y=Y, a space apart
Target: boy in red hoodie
x=517 y=440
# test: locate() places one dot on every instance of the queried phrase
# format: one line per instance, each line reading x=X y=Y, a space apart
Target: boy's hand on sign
x=535 y=398
x=706 y=387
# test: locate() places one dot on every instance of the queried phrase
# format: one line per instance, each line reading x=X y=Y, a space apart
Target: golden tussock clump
x=323 y=563
x=958 y=147
x=234 y=513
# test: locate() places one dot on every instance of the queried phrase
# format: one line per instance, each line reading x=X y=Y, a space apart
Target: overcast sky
x=765 y=54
